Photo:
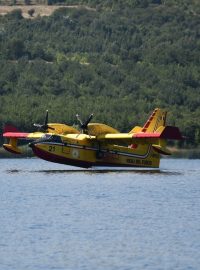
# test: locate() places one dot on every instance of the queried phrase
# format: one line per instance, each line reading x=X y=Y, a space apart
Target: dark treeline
x=119 y=60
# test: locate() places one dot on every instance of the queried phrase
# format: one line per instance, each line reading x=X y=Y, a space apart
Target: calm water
x=52 y=218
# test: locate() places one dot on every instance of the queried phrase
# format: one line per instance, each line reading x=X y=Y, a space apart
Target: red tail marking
x=146 y=125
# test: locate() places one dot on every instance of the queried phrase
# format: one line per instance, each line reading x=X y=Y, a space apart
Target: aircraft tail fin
x=156 y=120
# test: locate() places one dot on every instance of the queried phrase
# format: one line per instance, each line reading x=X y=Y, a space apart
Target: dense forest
x=116 y=59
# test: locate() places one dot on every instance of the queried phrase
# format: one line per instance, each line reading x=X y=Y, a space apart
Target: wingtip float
x=98 y=144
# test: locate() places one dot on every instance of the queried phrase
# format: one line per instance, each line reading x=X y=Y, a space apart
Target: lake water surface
x=57 y=217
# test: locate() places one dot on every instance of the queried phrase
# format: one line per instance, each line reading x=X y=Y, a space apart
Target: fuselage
x=82 y=151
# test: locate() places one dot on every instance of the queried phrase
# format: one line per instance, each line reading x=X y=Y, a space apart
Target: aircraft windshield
x=55 y=138
x=51 y=138
x=46 y=136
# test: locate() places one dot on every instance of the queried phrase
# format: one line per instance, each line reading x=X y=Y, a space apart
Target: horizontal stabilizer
x=168 y=133
x=171 y=133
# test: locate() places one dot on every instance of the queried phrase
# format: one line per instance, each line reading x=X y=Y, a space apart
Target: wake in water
x=96 y=171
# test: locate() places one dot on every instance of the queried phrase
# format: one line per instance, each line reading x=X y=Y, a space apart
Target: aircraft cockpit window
x=46 y=136
x=55 y=138
x=51 y=138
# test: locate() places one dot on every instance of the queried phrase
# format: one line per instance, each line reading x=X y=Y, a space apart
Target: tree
x=31 y=12
x=16 y=49
x=16 y=14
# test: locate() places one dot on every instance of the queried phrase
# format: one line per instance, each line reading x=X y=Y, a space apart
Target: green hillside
x=119 y=60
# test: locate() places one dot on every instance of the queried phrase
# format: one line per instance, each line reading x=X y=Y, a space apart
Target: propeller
x=45 y=126
x=84 y=125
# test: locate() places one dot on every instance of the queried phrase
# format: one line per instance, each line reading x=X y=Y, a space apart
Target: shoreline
x=39 y=10
x=189 y=153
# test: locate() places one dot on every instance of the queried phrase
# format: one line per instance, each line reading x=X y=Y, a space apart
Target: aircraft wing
x=23 y=135
x=127 y=138
x=14 y=136
x=153 y=138
x=168 y=132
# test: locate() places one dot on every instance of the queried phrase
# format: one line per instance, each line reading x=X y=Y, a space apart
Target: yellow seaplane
x=97 y=144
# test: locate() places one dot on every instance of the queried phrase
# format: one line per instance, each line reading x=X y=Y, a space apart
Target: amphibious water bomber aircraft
x=98 y=144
